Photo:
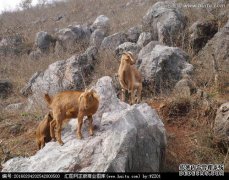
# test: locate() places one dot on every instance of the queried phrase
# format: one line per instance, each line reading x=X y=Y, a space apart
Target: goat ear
x=95 y=95
x=80 y=98
x=131 y=58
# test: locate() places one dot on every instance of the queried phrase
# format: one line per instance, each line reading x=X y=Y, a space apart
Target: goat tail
x=48 y=99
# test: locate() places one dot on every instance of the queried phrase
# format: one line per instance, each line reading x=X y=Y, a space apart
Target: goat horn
x=130 y=54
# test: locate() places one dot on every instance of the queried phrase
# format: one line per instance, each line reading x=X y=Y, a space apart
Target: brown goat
x=72 y=104
x=43 y=131
x=129 y=77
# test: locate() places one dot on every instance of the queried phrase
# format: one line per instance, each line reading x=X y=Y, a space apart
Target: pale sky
x=13 y=4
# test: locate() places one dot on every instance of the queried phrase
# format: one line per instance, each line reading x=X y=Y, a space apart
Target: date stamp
x=201 y=170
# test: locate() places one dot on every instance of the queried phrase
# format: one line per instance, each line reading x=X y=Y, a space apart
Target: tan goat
x=43 y=131
x=129 y=77
x=72 y=104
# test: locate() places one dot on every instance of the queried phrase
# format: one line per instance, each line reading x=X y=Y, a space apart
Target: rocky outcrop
x=144 y=38
x=71 y=37
x=221 y=126
x=185 y=87
x=61 y=75
x=35 y=55
x=11 y=45
x=127 y=46
x=162 y=67
x=103 y=23
x=127 y=139
x=200 y=33
x=43 y=41
x=133 y=34
x=111 y=42
x=165 y=21
x=216 y=48
x=97 y=37
x=146 y=50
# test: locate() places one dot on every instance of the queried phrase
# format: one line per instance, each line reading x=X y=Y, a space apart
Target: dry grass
x=189 y=132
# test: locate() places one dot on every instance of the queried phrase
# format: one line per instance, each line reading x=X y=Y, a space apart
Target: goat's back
x=65 y=99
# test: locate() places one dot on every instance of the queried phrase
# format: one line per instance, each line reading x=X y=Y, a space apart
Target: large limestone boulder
x=165 y=21
x=216 y=48
x=185 y=87
x=127 y=46
x=133 y=33
x=146 y=50
x=127 y=139
x=71 y=37
x=97 y=37
x=111 y=42
x=221 y=126
x=162 y=67
x=200 y=33
x=103 y=23
x=70 y=74
x=144 y=39
x=43 y=41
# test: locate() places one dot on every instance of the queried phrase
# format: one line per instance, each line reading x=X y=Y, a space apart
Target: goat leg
x=58 y=128
x=52 y=126
x=132 y=97
x=90 y=125
x=80 y=122
x=139 y=93
x=123 y=95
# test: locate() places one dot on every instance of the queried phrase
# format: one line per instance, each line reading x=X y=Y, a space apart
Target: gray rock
x=11 y=45
x=218 y=46
x=144 y=39
x=127 y=139
x=165 y=21
x=133 y=34
x=26 y=90
x=72 y=36
x=102 y=22
x=16 y=106
x=113 y=41
x=185 y=87
x=35 y=55
x=97 y=37
x=5 y=88
x=127 y=46
x=70 y=74
x=200 y=33
x=146 y=50
x=43 y=41
x=162 y=67
x=221 y=126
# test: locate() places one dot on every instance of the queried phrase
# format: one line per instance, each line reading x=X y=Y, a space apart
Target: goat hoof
x=61 y=143
x=79 y=136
